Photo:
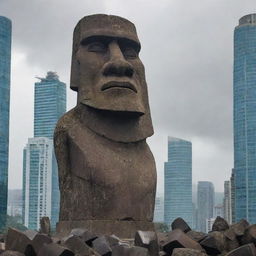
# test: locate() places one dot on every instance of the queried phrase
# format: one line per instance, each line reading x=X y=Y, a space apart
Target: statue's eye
x=130 y=52
x=97 y=47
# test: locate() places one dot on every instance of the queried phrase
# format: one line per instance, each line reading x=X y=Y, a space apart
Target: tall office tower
x=227 y=202
x=244 y=118
x=178 y=181
x=232 y=185
x=49 y=104
x=5 y=65
x=38 y=176
x=218 y=210
x=205 y=203
x=159 y=209
x=40 y=173
x=14 y=207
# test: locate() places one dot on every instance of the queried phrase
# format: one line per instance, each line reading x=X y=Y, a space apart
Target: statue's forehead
x=105 y=25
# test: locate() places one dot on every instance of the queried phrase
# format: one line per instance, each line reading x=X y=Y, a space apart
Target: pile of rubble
x=236 y=240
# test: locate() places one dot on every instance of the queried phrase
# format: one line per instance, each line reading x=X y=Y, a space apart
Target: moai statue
x=107 y=172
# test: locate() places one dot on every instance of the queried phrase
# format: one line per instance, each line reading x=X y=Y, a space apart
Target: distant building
x=38 y=181
x=205 y=203
x=14 y=202
x=38 y=159
x=178 y=181
x=194 y=222
x=232 y=185
x=159 y=209
x=209 y=224
x=227 y=202
x=244 y=118
x=5 y=64
x=218 y=211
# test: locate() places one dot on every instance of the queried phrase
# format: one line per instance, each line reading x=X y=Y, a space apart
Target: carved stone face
x=109 y=74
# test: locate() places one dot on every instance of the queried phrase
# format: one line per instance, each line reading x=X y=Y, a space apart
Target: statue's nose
x=117 y=64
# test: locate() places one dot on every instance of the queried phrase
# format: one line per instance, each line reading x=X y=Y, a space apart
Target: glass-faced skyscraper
x=245 y=118
x=5 y=63
x=178 y=181
x=205 y=204
x=49 y=104
x=40 y=172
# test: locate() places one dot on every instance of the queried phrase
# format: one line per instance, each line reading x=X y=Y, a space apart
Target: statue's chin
x=116 y=110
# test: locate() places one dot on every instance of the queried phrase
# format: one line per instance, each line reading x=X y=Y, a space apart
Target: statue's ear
x=75 y=73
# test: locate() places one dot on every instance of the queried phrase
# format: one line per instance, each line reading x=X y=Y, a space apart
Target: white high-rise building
x=37 y=177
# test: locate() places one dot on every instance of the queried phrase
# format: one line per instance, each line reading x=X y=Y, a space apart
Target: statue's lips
x=115 y=84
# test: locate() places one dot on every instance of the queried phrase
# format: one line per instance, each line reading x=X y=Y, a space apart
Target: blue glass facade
x=5 y=61
x=245 y=118
x=205 y=204
x=178 y=181
x=49 y=106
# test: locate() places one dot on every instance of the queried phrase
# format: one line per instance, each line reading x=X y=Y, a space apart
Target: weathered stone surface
x=12 y=253
x=45 y=225
x=113 y=241
x=196 y=236
x=180 y=224
x=239 y=227
x=17 y=240
x=102 y=246
x=127 y=251
x=178 y=239
x=162 y=238
x=122 y=229
x=54 y=250
x=245 y=250
x=77 y=245
x=210 y=245
x=231 y=240
x=110 y=122
x=249 y=235
x=147 y=239
x=230 y=234
x=187 y=252
x=220 y=224
x=39 y=240
x=84 y=234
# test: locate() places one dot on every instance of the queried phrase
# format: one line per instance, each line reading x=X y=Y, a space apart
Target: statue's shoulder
x=66 y=121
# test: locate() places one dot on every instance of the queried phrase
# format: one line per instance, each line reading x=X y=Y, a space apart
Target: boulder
x=187 y=252
x=54 y=250
x=129 y=251
x=178 y=239
x=245 y=250
x=220 y=224
x=147 y=239
x=179 y=223
x=249 y=235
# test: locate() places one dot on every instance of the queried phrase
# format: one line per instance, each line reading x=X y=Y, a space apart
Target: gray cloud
x=187 y=49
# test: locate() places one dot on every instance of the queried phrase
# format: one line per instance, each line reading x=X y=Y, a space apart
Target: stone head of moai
x=106 y=169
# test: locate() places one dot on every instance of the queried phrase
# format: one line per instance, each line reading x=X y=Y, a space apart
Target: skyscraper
x=232 y=185
x=5 y=64
x=244 y=118
x=227 y=202
x=49 y=104
x=38 y=161
x=159 y=209
x=178 y=181
x=40 y=174
x=205 y=204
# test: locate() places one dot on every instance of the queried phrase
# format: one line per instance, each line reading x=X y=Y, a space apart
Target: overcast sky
x=187 y=50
